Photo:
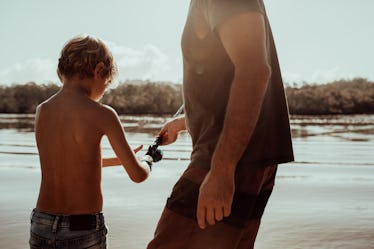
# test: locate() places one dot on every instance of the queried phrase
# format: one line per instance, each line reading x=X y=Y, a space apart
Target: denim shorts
x=64 y=231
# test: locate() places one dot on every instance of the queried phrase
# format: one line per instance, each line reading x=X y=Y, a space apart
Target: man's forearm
x=242 y=113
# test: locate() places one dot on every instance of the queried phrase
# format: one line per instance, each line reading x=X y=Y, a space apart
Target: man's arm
x=171 y=129
x=244 y=39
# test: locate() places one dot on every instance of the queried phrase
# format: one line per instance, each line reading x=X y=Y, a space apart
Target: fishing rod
x=153 y=150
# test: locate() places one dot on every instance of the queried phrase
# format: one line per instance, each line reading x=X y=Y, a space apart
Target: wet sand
x=324 y=206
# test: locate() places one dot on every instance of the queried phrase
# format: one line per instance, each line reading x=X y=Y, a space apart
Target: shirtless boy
x=69 y=127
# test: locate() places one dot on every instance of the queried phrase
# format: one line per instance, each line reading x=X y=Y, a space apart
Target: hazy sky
x=317 y=40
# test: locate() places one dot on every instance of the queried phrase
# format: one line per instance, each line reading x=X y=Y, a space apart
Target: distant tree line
x=354 y=96
x=339 y=97
x=130 y=97
x=24 y=98
x=144 y=98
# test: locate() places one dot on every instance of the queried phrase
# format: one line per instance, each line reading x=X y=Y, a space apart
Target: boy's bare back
x=68 y=134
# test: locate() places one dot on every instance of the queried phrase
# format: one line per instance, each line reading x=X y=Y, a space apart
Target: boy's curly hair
x=80 y=56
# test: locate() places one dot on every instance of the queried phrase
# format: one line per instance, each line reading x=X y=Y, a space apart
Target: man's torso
x=208 y=74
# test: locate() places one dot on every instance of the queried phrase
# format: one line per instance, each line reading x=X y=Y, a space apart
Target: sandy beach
x=311 y=207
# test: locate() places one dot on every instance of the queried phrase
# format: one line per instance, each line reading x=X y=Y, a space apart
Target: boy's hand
x=137 y=149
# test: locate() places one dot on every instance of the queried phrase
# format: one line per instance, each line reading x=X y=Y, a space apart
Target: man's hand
x=169 y=132
x=215 y=198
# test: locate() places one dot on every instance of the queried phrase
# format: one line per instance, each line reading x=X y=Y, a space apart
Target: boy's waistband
x=74 y=222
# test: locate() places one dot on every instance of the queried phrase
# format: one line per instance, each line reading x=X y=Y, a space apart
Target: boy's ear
x=98 y=69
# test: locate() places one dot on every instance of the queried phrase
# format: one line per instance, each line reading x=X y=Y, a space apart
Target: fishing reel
x=154 y=151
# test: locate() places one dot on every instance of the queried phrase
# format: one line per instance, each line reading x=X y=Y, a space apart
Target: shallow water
x=335 y=140
x=322 y=200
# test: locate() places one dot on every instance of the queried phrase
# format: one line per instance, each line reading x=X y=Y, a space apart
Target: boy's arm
x=137 y=170
x=114 y=161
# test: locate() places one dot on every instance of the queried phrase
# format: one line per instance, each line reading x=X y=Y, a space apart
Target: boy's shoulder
x=45 y=104
x=106 y=109
x=101 y=112
x=107 y=118
x=108 y=112
x=105 y=113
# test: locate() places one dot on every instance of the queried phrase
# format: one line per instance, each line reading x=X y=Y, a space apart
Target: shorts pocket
x=37 y=242
x=95 y=240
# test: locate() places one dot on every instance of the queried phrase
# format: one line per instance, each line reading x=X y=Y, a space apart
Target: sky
x=318 y=41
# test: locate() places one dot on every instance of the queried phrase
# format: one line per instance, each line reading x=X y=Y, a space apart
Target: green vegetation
x=340 y=97
x=130 y=97
x=24 y=98
x=143 y=97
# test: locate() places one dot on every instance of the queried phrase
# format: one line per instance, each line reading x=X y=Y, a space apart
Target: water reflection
x=139 y=123
x=349 y=127
x=20 y=122
x=346 y=127
x=318 y=140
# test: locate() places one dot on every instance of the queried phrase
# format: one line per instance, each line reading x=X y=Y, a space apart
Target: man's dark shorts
x=178 y=227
